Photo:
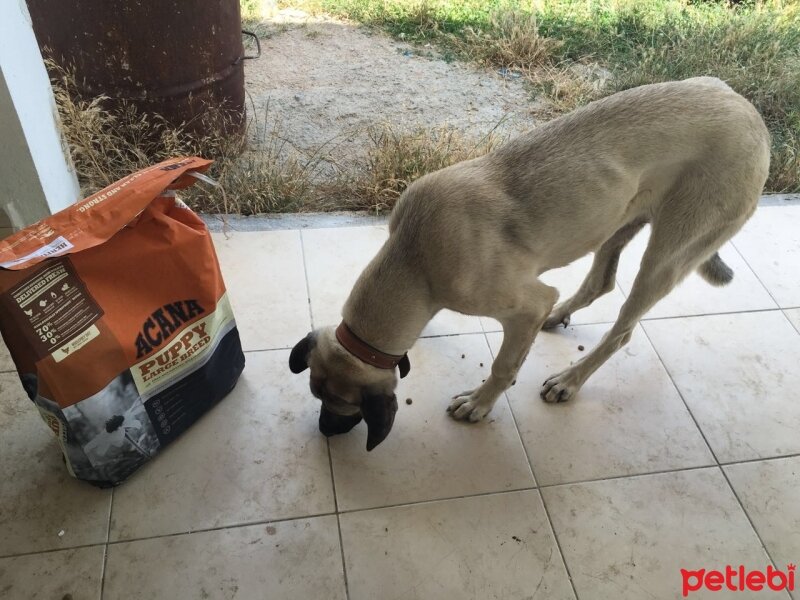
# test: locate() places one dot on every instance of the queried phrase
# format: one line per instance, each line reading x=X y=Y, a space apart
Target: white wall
x=36 y=177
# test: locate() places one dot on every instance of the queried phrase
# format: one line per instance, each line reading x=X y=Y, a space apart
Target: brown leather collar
x=362 y=350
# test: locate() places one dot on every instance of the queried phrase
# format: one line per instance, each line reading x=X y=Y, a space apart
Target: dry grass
x=108 y=141
x=565 y=87
x=260 y=171
x=268 y=176
x=396 y=158
x=785 y=163
x=512 y=41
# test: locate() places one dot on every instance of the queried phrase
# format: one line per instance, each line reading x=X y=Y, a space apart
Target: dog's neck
x=389 y=305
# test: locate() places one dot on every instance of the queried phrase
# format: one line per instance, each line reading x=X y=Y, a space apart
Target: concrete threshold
x=327 y=220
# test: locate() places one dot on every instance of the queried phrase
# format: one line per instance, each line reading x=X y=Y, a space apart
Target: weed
x=395 y=158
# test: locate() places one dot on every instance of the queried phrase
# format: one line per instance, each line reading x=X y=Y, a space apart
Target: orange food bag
x=116 y=316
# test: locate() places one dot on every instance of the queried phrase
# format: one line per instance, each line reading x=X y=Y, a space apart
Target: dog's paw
x=560 y=388
x=465 y=407
x=556 y=318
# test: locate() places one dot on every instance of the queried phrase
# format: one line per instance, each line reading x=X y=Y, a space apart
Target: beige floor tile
x=287 y=560
x=694 y=296
x=66 y=574
x=627 y=419
x=448 y=322
x=770 y=243
x=265 y=278
x=427 y=455
x=6 y=363
x=567 y=280
x=38 y=498
x=335 y=258
x=629 y=538
x=770 y=493
x=738 y=374
x=793 y=314
x=256 y=456
x=496 y=546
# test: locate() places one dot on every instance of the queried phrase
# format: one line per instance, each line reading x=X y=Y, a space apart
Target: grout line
x=533 y=474
x=511 y=411
x=305 y=274
x=338 y=521
x=327 y=441
x=629 y=476
x=716 y=459
x=558 y=545
x=267 y=350
x=52 y=550
x=796 y=327
x=680 y=394
x=435 y=500
x=753 y=271
x=711 y=314
x=752 y=460
x=619 y=286
x=220 y=528
x=446 y=335
x=667 y=318
x=747 y=516
x=105 y=549
x=175 y=534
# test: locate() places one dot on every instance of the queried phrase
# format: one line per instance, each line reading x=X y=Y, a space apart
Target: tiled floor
x=683 y=451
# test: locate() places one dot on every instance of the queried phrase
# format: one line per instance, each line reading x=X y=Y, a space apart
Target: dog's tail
x=715 y=272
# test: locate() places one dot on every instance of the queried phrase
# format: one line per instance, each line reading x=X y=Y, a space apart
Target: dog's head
x=349 y=388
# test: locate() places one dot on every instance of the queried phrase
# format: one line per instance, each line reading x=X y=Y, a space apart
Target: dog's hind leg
x=520 y=326
x=601 y=277
x=669 y=257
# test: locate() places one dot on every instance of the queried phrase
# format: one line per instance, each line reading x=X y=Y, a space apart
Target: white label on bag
x=55 y=247
x=76 y=343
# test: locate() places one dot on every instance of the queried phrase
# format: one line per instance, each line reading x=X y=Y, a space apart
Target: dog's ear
x=404 y=365
x=298 y=359
x=378 y=412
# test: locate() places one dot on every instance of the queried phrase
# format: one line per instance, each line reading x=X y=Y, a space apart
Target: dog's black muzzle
x=332 y=424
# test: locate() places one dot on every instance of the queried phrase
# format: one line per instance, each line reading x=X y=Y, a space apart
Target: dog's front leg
x=519 y=331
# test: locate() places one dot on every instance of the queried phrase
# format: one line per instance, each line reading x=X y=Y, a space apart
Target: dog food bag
x=116 y=316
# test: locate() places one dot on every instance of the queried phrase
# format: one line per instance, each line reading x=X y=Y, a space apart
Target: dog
x=688 y=157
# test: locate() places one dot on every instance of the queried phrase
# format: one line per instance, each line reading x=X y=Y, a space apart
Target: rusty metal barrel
x=175 y=58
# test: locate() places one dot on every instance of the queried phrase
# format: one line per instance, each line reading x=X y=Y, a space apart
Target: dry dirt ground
x=326 y=82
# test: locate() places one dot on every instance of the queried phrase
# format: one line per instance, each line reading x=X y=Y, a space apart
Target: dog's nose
x=332 y=424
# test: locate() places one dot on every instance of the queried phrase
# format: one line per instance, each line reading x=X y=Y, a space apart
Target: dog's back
x=609 y=163
x=648 y=134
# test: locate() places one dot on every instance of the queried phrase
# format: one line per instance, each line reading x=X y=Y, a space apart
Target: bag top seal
x=94 y=220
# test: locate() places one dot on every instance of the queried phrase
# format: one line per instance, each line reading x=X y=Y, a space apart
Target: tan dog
x=688 y=157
